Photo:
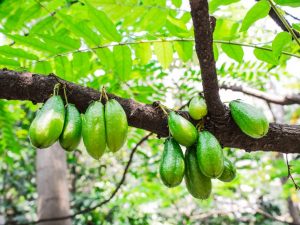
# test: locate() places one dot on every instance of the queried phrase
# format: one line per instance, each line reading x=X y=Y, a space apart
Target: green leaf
x=81 y=64
x=266 y=56
x=281 y=40
x=43 y=68
x=292 y=3
x=177 y=3
x=216 y=52
x=184 y=50
x=214 y=4
x=63 y=67
x=106 y=58
x=143 y=52
x=16 y=52
x=58 y=40
x=233 y=51
x=9 y=62
x=123 y=62
x=81 y=29
x=153 y=20
x=296 y=26
x=226 y=30
x=164 y=52
x=258 y=11
x=33 y=43
x=103 y=24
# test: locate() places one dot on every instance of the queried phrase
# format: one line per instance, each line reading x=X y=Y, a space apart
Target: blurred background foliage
x=144 y=50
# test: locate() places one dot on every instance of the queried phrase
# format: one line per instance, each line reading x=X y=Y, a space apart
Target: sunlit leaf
x=164 y=53
x=282 y=39
x=233 y=51
x=258 y=11
x=123 y=62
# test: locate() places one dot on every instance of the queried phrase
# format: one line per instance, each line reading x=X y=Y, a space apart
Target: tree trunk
x=52 y=185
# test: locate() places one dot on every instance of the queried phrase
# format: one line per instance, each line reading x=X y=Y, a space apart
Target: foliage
x=144 y=50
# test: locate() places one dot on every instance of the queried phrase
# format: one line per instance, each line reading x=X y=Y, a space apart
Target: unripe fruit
x=182 y=130
x=71 y=134
x=250 y=119
x=210 y=155
x=48 y=124
x=172 y=164
x=197 y=108
x=229 y=171
x=198 y=185
x=116 y=125
x=93 y=130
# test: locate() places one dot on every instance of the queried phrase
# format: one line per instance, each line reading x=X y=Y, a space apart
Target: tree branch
x=277 y=20
x=121 y=182
x=203 y=29
x=280 y=100
x=38 y=88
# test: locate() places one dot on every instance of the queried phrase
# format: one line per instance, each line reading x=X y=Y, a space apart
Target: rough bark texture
x=37 y=88
x=52 y=185
x=203 y=29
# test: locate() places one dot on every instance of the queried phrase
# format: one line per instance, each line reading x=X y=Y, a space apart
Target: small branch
x=297 y=187
x=278 y=21
x=280 y=100
x=203 y=30
x=121 y=182
x=285 y=22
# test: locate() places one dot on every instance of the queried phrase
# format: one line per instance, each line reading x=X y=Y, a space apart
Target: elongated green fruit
x=116 y=125
x=71 y=134
x=48 y=124
x=210 y=155
x=196 y=182
x=197 y=108
x=93 y=130
x=172 y=164
x=250 y=119
x=182 y=130
x=229 y=171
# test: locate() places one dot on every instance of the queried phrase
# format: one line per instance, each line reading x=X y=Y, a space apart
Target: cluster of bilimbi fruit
x=204 y=159
x=104 y=128
x=101 y=126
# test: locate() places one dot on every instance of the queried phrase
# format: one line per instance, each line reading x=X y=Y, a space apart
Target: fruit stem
x=163 y=108
x=103 y=92
x=200 y=125
x=65 y=94
x=56 y=89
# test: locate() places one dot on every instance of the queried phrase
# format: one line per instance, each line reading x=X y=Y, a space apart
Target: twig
x=280 y=100
x=121 y=182
x=297 y=187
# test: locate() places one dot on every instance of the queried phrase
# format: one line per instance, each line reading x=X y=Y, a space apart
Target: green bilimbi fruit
x=197 y=108
x=210 y=155
x=48 y=124
x=250 y=119
x=93 y=130
x=182 y=130
x=196 y=182
x=229 y=171
x=116 y=125
x=71 y=134
x=172 y=164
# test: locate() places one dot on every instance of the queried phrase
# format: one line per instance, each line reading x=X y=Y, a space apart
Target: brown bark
x=203 y=29
x=37 y=88
x=52 y=185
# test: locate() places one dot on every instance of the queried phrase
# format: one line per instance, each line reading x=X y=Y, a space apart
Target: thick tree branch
x=37 y=88
x=280 y=100
x=203 y=29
